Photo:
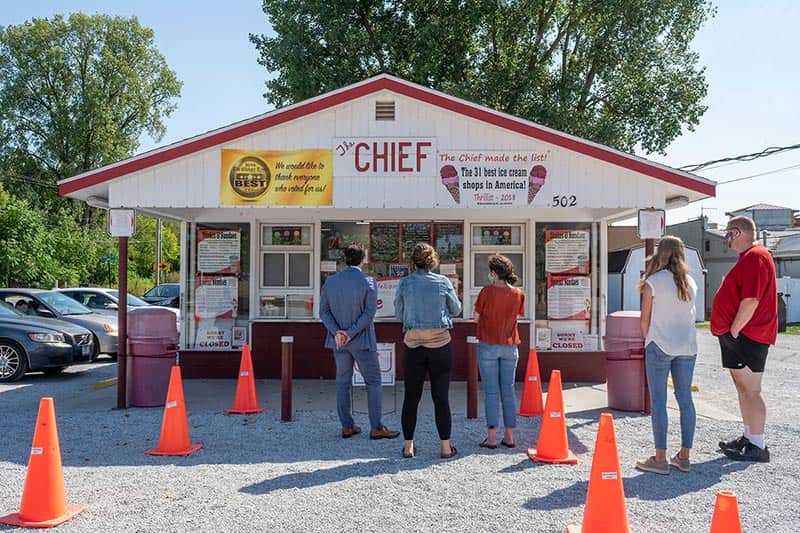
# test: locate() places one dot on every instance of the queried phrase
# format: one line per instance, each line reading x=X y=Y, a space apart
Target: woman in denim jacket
x=425 y=302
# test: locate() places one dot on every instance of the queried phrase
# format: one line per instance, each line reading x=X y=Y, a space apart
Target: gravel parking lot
x=259 y=474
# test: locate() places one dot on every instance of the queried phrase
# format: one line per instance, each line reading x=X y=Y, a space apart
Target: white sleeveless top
x=672 y=320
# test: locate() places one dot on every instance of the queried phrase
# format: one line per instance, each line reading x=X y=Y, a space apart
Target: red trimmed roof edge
x=386 y=82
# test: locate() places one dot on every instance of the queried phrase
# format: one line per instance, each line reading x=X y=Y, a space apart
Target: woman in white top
x=668 y=314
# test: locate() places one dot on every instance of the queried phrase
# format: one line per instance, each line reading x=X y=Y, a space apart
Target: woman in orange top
x=498 y=306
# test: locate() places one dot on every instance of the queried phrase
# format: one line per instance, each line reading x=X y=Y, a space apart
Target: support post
x=122 y=326
x=286 y=378
x=649 y=250
x=472 y=377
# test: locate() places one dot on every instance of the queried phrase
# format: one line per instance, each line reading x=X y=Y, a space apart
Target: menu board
x=216 y=297
x=449 y=242
x=569 y=297
x=384 y=243
x=412 y=234
x=566 y=251
x=218 y=251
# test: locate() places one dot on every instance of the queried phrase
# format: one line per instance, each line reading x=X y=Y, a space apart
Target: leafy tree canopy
x=618 y=72
x=77 y=93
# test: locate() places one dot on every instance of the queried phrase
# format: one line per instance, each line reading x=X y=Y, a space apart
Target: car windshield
x=63 y=304
x=170 y=291
x=133 y=301
x=7 y=310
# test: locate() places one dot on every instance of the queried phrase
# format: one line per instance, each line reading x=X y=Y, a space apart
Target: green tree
x=77 y=93
x=619 y=72
x=142 y=250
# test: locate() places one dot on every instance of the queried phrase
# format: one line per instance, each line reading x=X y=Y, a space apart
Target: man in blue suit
x=347 y=308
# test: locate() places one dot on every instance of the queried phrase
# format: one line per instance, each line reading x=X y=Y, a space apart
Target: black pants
x=438 y=362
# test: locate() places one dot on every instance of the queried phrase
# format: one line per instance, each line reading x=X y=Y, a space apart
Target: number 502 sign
x=564 y=200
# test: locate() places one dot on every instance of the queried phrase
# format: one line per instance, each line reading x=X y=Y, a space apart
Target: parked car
x=53 y=304
x=166 y=294
x=105 y=301
x=34 y=343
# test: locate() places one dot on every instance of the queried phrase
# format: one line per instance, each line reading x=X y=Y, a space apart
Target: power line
x=739 y=158
x=734 y=180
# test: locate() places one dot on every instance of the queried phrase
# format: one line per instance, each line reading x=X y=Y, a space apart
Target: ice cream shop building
x=267 y=206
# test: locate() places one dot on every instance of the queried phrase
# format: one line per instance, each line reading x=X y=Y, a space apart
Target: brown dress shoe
x=383 y=433
x=349 y=432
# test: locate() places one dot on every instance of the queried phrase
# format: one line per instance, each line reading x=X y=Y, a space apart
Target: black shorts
x=742 y=352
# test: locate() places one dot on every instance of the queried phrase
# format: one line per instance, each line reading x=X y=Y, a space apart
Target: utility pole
x=158 y=251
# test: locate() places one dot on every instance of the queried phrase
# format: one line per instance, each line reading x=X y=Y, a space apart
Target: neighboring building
x=625 y=269
x=766 y=216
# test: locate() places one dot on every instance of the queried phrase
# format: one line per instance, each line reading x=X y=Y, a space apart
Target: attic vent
x=384 y=110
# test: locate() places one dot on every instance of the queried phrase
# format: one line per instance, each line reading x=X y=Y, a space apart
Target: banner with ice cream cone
x=487 y=178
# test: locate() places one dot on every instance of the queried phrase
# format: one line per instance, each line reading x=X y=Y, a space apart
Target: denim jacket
x=425 y=300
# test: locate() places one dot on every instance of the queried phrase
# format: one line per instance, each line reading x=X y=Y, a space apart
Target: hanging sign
x=218 y=251
x=121 y=222
x=491 y=178
x=285 y=178
x=566 y=251
x=651 y=223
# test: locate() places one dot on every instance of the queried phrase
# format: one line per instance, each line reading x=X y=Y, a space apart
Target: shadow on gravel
x=645 y=486
x=315 y=478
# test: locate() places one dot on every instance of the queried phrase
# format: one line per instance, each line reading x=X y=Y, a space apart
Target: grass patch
x=702 y=325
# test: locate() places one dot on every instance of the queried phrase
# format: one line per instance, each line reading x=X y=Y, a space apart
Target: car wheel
x=95 y=349
x=13 y=361
x=53 y=370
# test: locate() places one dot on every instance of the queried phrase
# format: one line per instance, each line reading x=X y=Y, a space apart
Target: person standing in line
x=496 y=311
x=347 y=307
x=424 y=302
x=744 y=317
x=668 y=325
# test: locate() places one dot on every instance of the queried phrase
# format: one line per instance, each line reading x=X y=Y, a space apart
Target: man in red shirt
x=744 y=316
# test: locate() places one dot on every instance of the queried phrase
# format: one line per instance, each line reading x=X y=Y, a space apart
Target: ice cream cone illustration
x=450 y=181
x=535 y=181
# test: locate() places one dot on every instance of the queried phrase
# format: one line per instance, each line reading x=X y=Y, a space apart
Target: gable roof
x=373 y=85
x=760 y=207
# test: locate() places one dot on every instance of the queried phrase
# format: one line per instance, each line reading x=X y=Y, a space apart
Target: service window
x=285 y=287
x=389 y=246
x=496 y=239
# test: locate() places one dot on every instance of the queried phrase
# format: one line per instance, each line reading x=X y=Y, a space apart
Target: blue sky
x=750 y=50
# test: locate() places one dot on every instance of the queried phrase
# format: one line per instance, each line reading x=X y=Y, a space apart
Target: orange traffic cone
x=246 y=401
x=552 y=444
x=531 y=402
x=726 y=514
x=44 y=503
x=605 y=499
x=175 y=427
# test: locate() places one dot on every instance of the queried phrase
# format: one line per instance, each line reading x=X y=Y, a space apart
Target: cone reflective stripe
x=44 y=502
x=726 y=514
x=246 y=401
x=174 y=438
x=531 y=402
x=605 y=499
x=552 y=444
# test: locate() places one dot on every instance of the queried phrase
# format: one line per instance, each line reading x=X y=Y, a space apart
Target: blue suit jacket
x=348 y=303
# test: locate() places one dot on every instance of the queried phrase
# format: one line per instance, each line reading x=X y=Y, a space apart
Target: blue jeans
x=498 y=365
x=369 y=366
x=659 y=365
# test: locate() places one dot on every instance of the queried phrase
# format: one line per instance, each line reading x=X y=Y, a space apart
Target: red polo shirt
x=753 y=276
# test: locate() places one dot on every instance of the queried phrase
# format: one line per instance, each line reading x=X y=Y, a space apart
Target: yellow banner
x=259 y=177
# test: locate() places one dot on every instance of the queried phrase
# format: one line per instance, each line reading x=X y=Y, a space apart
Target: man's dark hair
x=353 y=254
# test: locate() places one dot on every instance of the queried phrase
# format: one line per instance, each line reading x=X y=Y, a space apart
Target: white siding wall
x=193 y=181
